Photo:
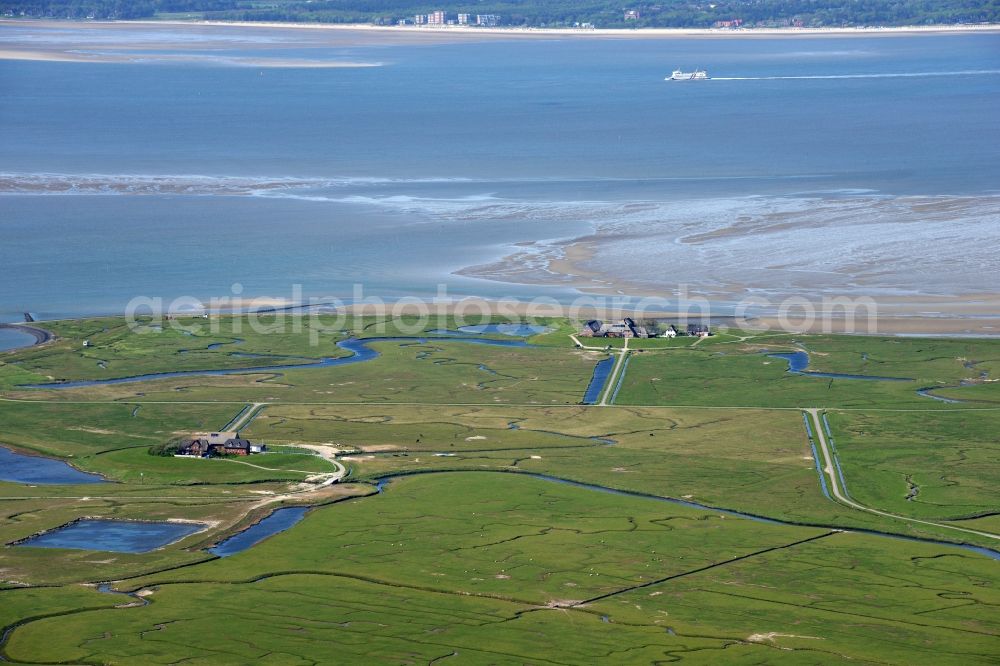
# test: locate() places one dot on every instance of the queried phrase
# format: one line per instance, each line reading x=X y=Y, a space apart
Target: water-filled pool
x=34 y=470
x=119 y=536
x=279 y=521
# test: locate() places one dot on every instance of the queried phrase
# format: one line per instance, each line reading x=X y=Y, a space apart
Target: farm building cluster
x=628 y=328
x=210 y=444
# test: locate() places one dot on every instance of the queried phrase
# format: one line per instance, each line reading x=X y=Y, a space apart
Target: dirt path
x=613 y=377
x=328 y=453
x=243 y=420
x=580 y=345
x=839 y=493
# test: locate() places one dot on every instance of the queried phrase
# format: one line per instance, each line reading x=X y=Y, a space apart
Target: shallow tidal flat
x=894 y=249
x=761 y=181
x=152 y=43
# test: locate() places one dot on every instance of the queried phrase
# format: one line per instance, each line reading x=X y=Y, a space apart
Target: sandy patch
x=375 y=448
x=174 y=58
x=771 y=635
x=96 y=431
x=563 y=603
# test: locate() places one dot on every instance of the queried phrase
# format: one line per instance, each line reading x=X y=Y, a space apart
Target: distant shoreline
x=618 y=32
x=471 y=31
x=901 y=319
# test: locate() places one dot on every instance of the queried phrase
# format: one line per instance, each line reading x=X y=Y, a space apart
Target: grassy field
x=524 y=567
x=432 y=372
x=477 y=551
x=81 y=430
x=740 y=373
x=750 y=460
x=924 y=464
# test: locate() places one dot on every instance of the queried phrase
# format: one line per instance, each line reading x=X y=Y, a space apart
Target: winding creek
x=359 y=348
x=138 y=537
x=360 y=352
x=798 y=364
x=144 y=536
x=384 y=481
x=278 y=521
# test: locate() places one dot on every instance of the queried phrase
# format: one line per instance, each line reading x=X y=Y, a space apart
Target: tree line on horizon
x=534 y=13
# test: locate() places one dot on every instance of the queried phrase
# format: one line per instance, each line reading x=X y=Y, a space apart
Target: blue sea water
x=178 y=178
x=13 y=339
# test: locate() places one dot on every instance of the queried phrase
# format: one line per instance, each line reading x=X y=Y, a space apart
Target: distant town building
x=632 y=14
x=436 y=18
x=734 y=23
x=420 y=19
x=488 y=20
x=463 y=19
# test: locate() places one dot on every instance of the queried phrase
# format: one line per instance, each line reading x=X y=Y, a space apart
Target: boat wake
x=884 y=75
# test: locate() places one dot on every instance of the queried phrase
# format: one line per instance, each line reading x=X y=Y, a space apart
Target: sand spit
x=169 y=58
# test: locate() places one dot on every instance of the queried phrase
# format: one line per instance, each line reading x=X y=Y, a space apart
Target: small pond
x=119 y=536
x=34 y=470
x=279 y=521
x=517 y=330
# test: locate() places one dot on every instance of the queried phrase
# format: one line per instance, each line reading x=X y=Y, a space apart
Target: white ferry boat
x=696 y=75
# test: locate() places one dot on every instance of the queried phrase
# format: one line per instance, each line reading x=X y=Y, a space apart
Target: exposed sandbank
x=167 y=58
x=157 y=44
x=927 y=256
x=411 y=34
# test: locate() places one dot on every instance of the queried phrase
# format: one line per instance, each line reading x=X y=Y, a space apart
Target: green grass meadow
x=487 y=517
